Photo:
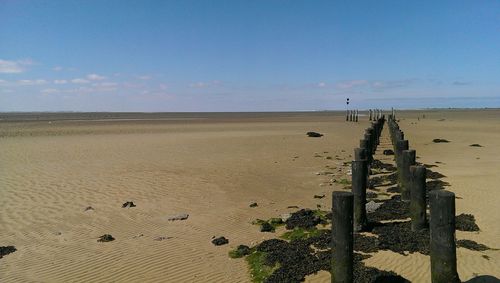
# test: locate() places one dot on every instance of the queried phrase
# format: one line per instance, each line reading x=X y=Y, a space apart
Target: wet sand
x=211 y=166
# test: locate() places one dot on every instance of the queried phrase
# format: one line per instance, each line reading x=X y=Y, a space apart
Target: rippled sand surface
x=211 y=167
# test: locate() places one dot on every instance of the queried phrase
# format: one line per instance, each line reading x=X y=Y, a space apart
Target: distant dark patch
x=292 y=206
x=219 y=241
x=430 y=165
x=476 y=145
x=266 y=227
x=434 y=175
x=377 y=164
x=314 y=135
x=319 y=196
x=440 y=141
x=384 y=180
x=391 y=209
x=471 y=245
x=388 y=152
x=466 y=222
x=7 y=250
x=253 y=204
x=436 y=185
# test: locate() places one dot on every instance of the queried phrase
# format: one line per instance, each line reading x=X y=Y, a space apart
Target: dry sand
x=211 y=167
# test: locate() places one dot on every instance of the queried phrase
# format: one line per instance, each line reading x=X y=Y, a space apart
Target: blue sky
x=247 y=55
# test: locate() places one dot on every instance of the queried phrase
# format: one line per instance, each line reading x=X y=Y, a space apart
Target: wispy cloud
x=14 y=67
x=60 y=82
x=205 y=84
x=95 y=77
x=80 y=81
x=321 y=84
x=351 y=84
x=144 y=78
x=57 y=68
x=31 y=82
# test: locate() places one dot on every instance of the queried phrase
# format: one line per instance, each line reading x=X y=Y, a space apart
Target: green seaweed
x=300 y=234
x=258 y=268
x=344 y=182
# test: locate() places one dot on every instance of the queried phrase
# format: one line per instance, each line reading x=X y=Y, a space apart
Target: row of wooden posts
x=353 y=115
x=349 y=208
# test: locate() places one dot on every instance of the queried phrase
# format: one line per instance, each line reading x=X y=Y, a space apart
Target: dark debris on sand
x=391 y=209
x=384 y=180
x=377 y=164
x=129 y=204
x=106 y=238
x=440 y=141
x=314 y=135
x=304 y=218
x=388 y=152
x=435 y=185
x=219 y=241
x=476 y=145
x=472 y=245
x=466 y=222
x=434 y=175
x=7 y=250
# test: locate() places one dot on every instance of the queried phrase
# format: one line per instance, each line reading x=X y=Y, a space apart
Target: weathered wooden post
x=418 y=207
x=347 y=115
x=442 y=231
x=342 y=237
x=364 y=143
x=400 y=146
x=356 y=116
x=407 y=160
x=370 y=114
x=359 y=169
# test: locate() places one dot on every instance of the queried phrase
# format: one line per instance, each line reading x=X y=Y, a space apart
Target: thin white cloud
x=144 y=78
x=105 y=84
x=321 y=84
x=351 y=84
x=95 y=77
x=57 y=68
x=31 y=82
x=205 y=84
x=79 y=81
x=60 y=82
x=14 y=67
x=49 y=91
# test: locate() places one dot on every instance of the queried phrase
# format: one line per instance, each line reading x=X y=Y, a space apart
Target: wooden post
x=418 y=208
x=359 y=170
x=443 y=246
x=407 y=160
x=347 y=115
x=370 y=114
x=342 y=237
x=400 y=146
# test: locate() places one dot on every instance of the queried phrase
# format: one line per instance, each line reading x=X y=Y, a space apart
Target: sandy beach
x=212 y=167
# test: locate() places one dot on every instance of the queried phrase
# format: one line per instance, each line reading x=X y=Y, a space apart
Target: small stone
x=253 y=204
x=314 y=135
x=476 y=145
x=372 y=206
x=128 y=204
x=219 y=241
x=440 y=141
x=319 y=196
x=89 y=208
x=161 y=238
x=285 y=216
x=7 y=250
x=181 y=216
x=106 y=238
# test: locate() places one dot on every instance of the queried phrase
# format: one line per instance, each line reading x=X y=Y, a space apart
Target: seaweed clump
x=304 y=218
x=466 y=222
x=391 y=209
